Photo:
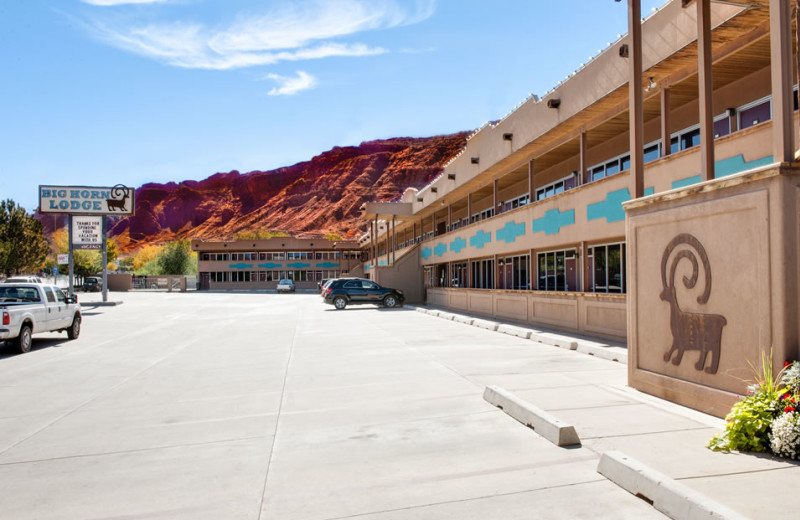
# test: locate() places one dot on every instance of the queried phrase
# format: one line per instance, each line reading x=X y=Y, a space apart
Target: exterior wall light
x=451 y=176
x=475 y=160
x=624 y=50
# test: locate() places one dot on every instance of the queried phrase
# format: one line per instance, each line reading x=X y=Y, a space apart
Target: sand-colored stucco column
x=636 y=114
x=705 y=89
x=780 y=26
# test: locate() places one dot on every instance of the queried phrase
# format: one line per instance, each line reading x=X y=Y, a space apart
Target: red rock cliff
x=318 y=196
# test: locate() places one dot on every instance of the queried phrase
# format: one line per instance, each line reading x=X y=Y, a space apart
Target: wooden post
x=636 y=113
x=706 y=89
x=666 y=145
x=780 y=28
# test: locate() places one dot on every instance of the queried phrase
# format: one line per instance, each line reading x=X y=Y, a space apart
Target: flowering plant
x=768 y=417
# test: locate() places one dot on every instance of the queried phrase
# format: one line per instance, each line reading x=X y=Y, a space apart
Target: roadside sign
x=87 y=232
x=62 y=258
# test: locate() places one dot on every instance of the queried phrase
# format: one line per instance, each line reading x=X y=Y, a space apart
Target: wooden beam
x=705 y=89
x=666 y=147
x=782 y=104
x=635 y=98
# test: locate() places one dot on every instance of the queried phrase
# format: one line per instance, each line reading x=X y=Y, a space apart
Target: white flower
x=785 y=436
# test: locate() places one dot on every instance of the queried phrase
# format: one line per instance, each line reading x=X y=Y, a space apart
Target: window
x=560 y=186
x=607 y=268
x=49 y=294
x=512 y=272
x=722 y=125
x=522 y=200
x=651 y=153
x=482 y=274
x=460 y=274
x=483 y=215
x=557 y=271
x=755 y=113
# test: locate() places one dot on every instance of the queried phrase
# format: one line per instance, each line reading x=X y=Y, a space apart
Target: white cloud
x=291 y=86
x=109 y=3
x=298 y=31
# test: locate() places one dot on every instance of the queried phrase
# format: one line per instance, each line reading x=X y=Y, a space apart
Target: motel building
x=261 y=264
x=608 y=206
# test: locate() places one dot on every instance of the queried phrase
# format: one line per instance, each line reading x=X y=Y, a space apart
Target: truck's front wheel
x=25 y=339
x=74 y=330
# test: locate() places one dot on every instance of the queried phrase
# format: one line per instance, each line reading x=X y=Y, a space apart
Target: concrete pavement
x=253 y=405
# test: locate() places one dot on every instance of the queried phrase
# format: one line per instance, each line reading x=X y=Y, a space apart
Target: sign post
x=88 y=209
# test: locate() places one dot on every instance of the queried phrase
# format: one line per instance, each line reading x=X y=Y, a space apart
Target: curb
x=515 y=331
x=665 y=494
x=546 y=425
x=591 y=348
x=557 y=341
x=485 y=324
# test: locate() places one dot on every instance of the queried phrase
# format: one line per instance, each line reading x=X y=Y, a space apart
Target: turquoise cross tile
x=552 y=221
x=426 y=252
x=382 y=262
x=480 y=239
x=327 y=265
x=440 y=249
x=241 y=266
x=688 y=181
x=298 y=265
x=611 y=208
x=270 y=265
x=458 y=244
x=737 y=164
x=510 y=232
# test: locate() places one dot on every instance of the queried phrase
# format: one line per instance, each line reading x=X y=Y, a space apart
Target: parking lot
x=275 y=406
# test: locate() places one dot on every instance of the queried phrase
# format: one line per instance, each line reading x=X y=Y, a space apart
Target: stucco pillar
x=635 y=97
x=706 y=89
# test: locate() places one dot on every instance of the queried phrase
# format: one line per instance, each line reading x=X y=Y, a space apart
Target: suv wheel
x=390 y=301
x=340 y=302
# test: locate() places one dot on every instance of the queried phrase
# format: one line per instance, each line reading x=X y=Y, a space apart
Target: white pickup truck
x=30 y=308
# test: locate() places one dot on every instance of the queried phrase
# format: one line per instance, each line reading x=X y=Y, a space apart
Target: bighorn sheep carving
x=691 y=330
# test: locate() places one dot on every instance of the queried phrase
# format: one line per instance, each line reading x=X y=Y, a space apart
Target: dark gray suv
x=345 y=291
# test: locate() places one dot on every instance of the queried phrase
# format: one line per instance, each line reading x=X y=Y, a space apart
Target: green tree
x=260 y=234
x=333 y=237
x=177 y=258
x=23 y=247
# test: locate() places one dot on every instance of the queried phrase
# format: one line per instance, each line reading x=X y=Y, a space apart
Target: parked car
x=286 y=286
x=28 y=308
x=345 y=291
x=23 y=279
x=92 y=284
x=321 y=284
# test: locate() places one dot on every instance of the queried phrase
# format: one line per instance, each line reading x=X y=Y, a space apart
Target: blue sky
x=101 y=92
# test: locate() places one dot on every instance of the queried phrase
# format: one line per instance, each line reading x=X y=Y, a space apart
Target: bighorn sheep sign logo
x=691 y=330
x=85 y=200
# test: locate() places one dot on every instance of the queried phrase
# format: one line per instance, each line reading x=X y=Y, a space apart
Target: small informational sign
x=62 y=258
x=55 y=270
x=87 y=232
x=86 y=200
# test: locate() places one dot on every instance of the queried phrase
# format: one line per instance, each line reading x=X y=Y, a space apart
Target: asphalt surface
x=267 y=406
